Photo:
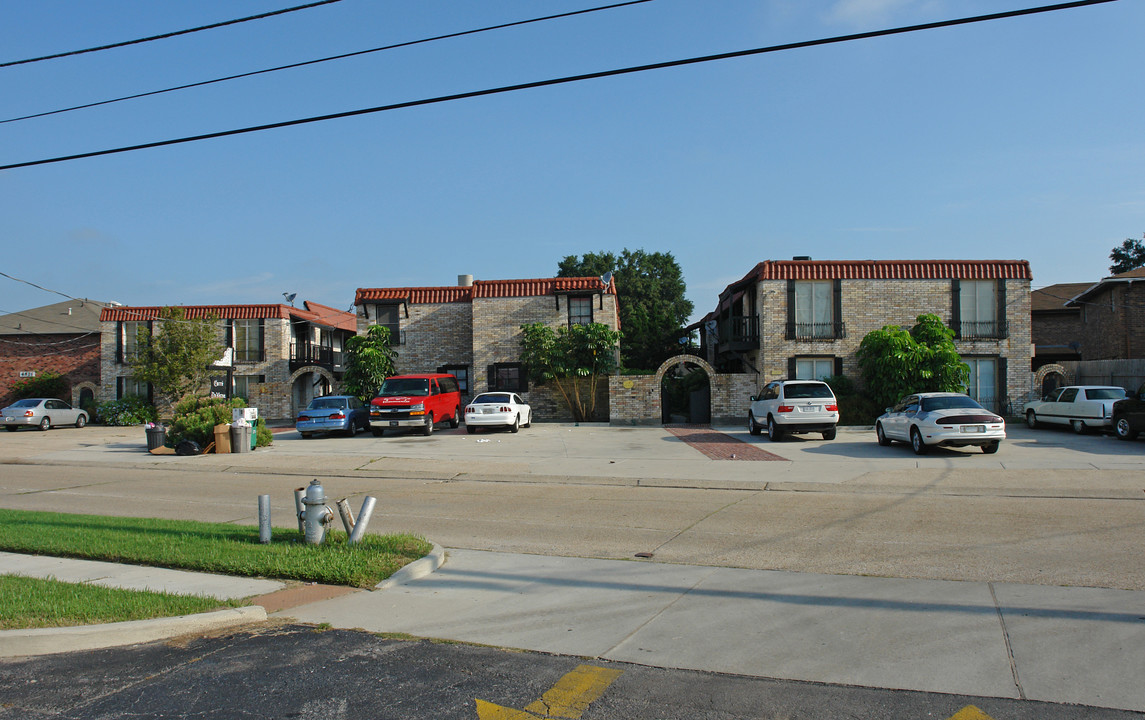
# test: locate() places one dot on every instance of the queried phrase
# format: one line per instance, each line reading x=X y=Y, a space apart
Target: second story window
x=390 y=317
x=247 y=340
x=580 y=311
x=131 y=332
x=813 y=308
x=978 y=303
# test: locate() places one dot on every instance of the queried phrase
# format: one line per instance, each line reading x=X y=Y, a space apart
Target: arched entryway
x=83 y=395
x=1050 y=377
x=308 y=383
x=685 y=390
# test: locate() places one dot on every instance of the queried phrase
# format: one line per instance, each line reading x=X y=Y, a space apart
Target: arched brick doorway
x=307 y=383
x=685 y=385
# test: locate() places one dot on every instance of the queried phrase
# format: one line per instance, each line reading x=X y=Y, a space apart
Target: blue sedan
x=333 y=413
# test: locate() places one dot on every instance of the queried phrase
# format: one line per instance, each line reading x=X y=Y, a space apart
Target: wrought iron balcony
x=816 y=331
x=988 y=330
x=738 y=332
x=302 y=354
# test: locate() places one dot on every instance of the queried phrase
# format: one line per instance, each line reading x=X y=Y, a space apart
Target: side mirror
x=754 y=398
x=890 y=410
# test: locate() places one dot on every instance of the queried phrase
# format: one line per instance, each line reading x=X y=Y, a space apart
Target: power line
x=566 y=80
x=165 y=36
x=326 y=59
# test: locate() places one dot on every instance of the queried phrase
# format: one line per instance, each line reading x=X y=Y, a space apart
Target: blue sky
x=1019 y=138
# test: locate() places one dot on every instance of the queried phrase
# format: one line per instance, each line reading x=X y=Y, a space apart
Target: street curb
x=49 y=641
x=415 y=570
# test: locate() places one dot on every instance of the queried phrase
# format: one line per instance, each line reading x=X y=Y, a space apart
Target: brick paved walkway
x=718 y=445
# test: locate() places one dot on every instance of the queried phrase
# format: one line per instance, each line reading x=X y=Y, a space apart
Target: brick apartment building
x=61 y=338
x=473 y=329
x=804 y=318
x=281 y=356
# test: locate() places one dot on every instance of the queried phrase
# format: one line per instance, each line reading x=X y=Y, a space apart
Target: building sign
x=219 y=387
x=27 y=373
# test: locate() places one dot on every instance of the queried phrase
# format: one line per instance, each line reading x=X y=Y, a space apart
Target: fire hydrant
x=316 y=516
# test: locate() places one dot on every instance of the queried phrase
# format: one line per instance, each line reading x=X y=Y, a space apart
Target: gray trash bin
x=240 y=438
x=156 y=437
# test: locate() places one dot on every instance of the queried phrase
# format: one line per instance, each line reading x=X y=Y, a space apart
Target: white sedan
x=928 y=419
x=1082 y=407
x=497 y=409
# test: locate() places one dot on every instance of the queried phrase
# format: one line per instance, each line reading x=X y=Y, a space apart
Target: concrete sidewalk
x=1065 y=645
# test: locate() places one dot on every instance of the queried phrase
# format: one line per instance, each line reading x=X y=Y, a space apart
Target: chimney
x=465 y=280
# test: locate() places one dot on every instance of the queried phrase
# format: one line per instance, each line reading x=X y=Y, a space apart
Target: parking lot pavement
x=1039 y=460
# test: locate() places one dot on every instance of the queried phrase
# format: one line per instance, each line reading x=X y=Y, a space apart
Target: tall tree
x=573 y=358
x=650 y=294
x=369 y=361
x=176 y=359
x=1129 y=256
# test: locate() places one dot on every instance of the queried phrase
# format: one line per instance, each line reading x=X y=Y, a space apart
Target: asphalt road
x=299 y=672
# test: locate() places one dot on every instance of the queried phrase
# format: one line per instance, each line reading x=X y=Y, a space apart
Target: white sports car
x=497 y=409
x=928 y=419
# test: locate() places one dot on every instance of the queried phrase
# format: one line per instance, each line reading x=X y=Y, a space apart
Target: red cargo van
x=419 y=401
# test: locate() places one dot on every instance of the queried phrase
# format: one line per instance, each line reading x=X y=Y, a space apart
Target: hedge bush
x=196 y=417
x=131 y=410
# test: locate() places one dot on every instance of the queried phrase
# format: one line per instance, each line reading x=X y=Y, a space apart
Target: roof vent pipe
x=465 y=280
x=802 y=258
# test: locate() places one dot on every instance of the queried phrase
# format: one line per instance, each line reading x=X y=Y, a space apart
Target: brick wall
x=75 y=357
x=869 y=305
x=636 y=400
x=435 y=335
x=1112 y=323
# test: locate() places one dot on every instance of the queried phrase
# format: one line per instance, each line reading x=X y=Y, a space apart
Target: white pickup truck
x=1082 y=407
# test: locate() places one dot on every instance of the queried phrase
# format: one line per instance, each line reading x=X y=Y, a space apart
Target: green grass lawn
x=36 y=603
x=186 y=545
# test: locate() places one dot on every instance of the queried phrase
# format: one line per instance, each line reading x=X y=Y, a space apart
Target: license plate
x=811 y=408
x=487 y=411
x=973 y=428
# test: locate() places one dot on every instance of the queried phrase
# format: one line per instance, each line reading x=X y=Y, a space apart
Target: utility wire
x=165 y=36
x=569 y=79
x=327 y=59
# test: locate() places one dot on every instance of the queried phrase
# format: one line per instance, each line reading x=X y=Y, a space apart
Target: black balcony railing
x=990 y=329
x=739 y=332
x=311 y=354
x=816 y=331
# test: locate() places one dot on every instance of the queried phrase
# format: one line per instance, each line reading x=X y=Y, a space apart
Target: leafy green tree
x=176 y=360
x=369 y=361
x=1129 y=256
x=650 y=295
x=895 y=362
x=573 y=358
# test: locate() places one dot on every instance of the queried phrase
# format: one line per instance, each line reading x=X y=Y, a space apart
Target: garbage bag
x=188 y=447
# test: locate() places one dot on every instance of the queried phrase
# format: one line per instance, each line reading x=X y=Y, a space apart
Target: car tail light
x=786 y=408
x=506 y=409
x=832 y=408
x=338 y=416
x=302 y=418
x=469 y=410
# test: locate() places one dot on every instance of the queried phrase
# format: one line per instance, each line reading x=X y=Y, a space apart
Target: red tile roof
x=890 y=270
x=483 y=289
x=313 y=312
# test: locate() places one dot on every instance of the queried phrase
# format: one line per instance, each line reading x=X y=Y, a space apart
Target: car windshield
x=1105 y=394
x=327 y=403
x=949 y=403
x=807 y=390
x=27 y=402
x=497 y=398
x=404 y=386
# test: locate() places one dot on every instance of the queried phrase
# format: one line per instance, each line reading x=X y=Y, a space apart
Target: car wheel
x=1121 y=426
x=829 y=434
x=306 y=436
x=11 y=428
x=916 y=442
x=881 y=436
x=752 y=426
x=1079 y=427
x=991 y=448
x=1031 y=420
x=471 y=429
x=377 y=432
x=351 y=429
x=516 y=424
x=428 y=429
x=45 y=423
x=773 y=431
x=456 y=419
x=529 y=420
x=81 y=421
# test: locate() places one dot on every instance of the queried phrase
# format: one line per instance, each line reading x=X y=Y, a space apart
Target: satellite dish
x=606 y=278
x=290 y=298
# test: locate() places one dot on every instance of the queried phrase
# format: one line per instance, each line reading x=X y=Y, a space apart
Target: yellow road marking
x=970 y=713
x=567 y=699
